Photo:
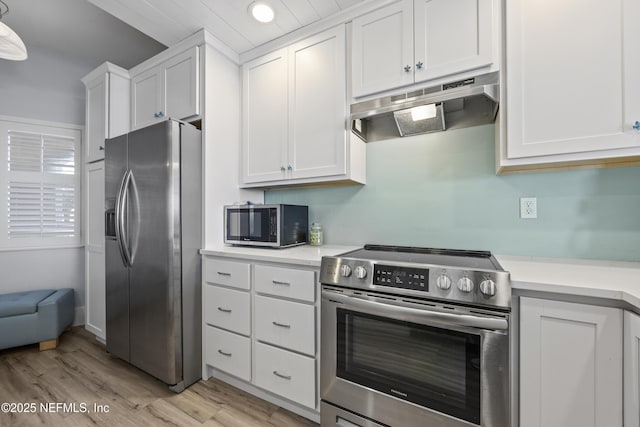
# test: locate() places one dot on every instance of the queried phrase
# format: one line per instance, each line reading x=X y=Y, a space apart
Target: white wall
x=47 y=87
x=45 y=269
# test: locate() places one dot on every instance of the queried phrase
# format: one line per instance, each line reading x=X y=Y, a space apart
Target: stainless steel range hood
x=455 y=105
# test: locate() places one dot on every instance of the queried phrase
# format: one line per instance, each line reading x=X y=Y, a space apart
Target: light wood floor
x=80 y=371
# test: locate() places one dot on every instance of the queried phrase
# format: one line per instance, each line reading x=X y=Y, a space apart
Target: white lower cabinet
x=285 y=373
x=570 y=364
x=261 y=327
x=631 y=370
x=286 y=324
x=228 y=309
x=228 y=352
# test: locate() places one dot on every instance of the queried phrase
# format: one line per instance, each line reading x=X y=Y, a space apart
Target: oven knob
x=488 y=287
x=345 y=270
x=465 y=284
x=361 y=272
x=443 y=282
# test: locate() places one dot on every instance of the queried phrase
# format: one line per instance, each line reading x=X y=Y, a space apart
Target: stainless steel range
x=415 y=337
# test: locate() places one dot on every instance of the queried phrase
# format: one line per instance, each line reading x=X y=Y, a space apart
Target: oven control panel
x=401 y=277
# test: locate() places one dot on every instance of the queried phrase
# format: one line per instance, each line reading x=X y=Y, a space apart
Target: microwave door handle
x=467 y=320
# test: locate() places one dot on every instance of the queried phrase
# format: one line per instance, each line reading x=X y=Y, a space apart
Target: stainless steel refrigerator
x=153 y=229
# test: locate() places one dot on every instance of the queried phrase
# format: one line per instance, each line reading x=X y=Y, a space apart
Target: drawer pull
x=224 y=310
x=222 y=273
x=224 y=353
x=278 y=374
x=277 y=282
x=282 y=325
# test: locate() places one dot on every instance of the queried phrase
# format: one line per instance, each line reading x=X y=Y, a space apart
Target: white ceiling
x=170 y=21
x=77 y=29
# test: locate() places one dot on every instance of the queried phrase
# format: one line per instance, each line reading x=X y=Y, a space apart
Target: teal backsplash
x=441 y=190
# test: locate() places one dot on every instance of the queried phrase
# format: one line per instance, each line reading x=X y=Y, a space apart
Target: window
x=40 y=179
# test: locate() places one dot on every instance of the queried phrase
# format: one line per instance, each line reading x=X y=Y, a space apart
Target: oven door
x=404 y=363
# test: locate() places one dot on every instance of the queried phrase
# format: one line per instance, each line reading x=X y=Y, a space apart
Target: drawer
x=227 y=273
x=286 y=282
x=227 y=308
x=286 y=374
x=228 y=352
x=286 y=324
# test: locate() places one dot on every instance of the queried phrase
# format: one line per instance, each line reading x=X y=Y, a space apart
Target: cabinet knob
x=156 y=115
x=419 y=65
x=160 y=114
x=101 y=148
x=407 y=68
x=636 y=125
x=289 y=168
x=282 y=169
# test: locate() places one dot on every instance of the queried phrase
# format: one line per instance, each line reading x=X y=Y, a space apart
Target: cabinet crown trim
x=102 y=69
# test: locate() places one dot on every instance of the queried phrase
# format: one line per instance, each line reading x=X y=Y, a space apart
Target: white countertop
x=610 y=280
x=606 y=280
x=301 y=255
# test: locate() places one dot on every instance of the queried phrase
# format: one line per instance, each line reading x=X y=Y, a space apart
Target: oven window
x=432 y=367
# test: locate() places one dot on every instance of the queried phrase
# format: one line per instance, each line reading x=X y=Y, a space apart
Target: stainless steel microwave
x=266 y=225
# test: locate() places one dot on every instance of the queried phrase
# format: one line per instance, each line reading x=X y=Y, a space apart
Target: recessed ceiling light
x=261 y=11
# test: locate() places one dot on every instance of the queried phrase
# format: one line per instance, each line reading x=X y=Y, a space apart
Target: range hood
x=455 y=105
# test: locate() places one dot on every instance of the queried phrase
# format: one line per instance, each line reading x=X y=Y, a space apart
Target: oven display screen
x=401 y=277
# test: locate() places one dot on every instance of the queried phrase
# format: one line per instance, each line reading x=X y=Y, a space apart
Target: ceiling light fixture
x=11 y=46
x=260 y=11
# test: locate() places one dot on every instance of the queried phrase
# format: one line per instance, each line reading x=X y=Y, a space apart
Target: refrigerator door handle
x=121 y=204
x=135 y=213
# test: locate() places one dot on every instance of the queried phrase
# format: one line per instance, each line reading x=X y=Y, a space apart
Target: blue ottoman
x=35 y=317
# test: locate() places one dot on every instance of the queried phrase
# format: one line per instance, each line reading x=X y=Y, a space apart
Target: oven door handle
x=468 y=320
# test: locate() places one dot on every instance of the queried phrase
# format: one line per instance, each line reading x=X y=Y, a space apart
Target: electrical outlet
x=528 y=208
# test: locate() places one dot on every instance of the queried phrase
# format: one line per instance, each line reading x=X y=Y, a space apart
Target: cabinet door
x=573 y=76
x=382 y=46
x=451 y=36
x=146 y=99
x=94 y=250
x=97 y=118
x=570 y=364
x=317 y=105
x=631 y=370
x=264 y=140
x=182 y=85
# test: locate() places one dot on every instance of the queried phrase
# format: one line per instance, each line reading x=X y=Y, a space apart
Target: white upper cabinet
x=317 y=105
x=170 y=89
x=294 y=115
x=265 y=117
x=573 y=82
x=414 y=41
x=452 y=36
x=382 y=46
x=107 y=107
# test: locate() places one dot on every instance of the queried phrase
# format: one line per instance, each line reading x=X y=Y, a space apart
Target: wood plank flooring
x=80 y=374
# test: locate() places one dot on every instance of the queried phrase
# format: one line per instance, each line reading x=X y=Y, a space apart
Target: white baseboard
x=78 y=318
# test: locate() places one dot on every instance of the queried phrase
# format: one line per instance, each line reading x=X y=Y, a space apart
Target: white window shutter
x=42 y=186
